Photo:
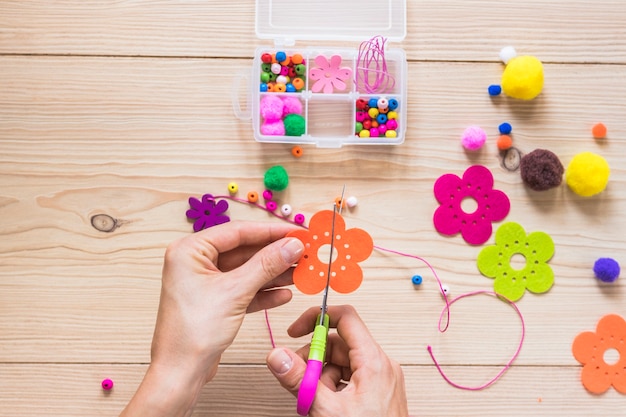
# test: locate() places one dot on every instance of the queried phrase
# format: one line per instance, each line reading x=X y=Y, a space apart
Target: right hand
x=358 y=379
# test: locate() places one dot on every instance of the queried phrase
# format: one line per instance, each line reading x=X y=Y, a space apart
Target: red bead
x=107 y=384
x=367 y=124
x=292 y=72
x=266 y=58
x=361 y=104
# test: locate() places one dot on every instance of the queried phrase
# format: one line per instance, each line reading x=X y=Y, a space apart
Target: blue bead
x=281 y=56
x=494 y=90
x=290 y=88
x=416 y=280
x=381 y=118
x=263 y=87
x=393 y=104
x=373 y=103
x=505 y=128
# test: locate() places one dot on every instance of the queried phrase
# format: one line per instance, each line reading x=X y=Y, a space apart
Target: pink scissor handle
x=308 y=387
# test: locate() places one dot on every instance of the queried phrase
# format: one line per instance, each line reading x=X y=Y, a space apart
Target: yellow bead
x=364 y=133
x=233 y=187
x=392 y=115
x=391 y=134
x=373 y=112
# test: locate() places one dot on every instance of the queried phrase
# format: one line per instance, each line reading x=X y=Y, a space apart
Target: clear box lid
x=286 y=21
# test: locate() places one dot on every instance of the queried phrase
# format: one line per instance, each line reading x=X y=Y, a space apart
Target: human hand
x=358 y=379
x=210 y=280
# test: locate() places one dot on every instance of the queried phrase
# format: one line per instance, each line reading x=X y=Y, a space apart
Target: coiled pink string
x=371 y=67
x=446 y=309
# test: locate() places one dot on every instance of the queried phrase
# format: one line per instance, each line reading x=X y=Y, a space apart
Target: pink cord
x=446 y=308
x=371 y=66
x=508 y=364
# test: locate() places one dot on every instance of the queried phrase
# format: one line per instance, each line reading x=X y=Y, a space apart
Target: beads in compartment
x=282 y=73
x=376 y=117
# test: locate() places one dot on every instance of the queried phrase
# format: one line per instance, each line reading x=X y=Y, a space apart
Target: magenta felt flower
x=207 y=212
x=476 y=185
x=329 y=75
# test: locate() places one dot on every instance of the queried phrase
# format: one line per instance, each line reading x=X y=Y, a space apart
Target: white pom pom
x=507 y=53
x=351 y=201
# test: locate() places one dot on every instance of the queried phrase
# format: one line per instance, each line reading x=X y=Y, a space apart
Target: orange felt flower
x=350 y=247
x=589 y=348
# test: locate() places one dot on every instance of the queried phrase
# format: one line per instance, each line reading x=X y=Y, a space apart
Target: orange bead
x=296 y=59
x=598 y=131
x=504 y=142
x=340 y=203
x=374 y=123
x=297 y=151
x=270 y=87
x=280 y=88
x=298 y=83
x=286 y=62
x=253 y=196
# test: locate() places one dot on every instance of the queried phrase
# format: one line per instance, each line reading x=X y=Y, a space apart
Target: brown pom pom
x=541 y=170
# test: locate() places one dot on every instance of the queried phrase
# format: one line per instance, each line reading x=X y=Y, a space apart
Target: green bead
x=276 y=178
x=265 y=77
x=266 y=67
x=358 y=127
x=300 y=69
x=272 y=76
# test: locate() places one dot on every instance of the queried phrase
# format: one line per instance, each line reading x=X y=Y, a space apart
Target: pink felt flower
x=329 y=75
x=477 y=185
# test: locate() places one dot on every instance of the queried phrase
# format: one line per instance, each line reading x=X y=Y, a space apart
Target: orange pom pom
x=598 y=131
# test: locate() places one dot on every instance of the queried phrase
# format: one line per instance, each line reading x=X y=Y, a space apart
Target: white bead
x=281 y=79
x=275 y=68
x=351 y=201
x=507 y=53
x=285 y=210
x=446 y=289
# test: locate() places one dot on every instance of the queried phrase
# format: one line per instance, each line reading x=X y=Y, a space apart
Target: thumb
x=272 y=260
x=288 y=368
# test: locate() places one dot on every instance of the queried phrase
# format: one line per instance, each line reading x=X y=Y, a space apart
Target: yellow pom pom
x=523 y=78
x=587 y=174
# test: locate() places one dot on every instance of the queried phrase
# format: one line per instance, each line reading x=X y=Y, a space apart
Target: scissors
x=317 y=352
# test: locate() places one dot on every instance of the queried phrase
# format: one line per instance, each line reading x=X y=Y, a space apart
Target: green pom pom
x=294 y=125
x=276 y=178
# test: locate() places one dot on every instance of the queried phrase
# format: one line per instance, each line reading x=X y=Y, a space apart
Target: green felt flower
x=536 y=248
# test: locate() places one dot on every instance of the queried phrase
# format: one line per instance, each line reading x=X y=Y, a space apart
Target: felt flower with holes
x=350 y=247
x=511 y=281
x=207 y=212
x=476 y=185
x=329 y=75
x=589 y=349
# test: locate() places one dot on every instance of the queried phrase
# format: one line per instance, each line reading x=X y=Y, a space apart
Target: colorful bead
x=599 y=131
x=282 y=79
x=280 y=88
x=265 y=77
x=340 y=203
x=383 y=111
x=266 y=58
x=416 y=279
x=290 y=88
x=300 y=69
x=276 y=68
x=374 y=132
x=393 y=104
x=266 y=67
x=299 y=218
x=367 y=124
x=292 y=72
x=253 y=196
x=494 y=90
x=296 y=59
x=361 y=104
x=505 y=128
x=360 y=116
x=381 y=118
x=284 y=70
x=107 y=384
x=391 y=134
x=285 y=210
x=268 y=194
x=281 y=56
x=351 y=201
x=271 y=205
x=373 y=102
x=445 y=289
x=373 y=112
x=383 y=103
x=392 y=124
x=382 y=129
x=263 y=88
x=364 y=133
x=297 y=151
x=392 y=115
x=272 y=76
x=358 y=126
x=298 y=83
x=233 y=187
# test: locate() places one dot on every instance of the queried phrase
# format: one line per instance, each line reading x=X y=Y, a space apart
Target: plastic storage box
x=329 y=96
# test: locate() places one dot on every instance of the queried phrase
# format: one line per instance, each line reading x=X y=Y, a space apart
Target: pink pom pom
x=292 y=105
x=273 y=128
x=473 y=138
x=271 y=107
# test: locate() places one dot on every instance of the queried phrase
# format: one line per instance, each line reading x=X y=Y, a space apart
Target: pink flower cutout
x=328 y=75
x=476 y=184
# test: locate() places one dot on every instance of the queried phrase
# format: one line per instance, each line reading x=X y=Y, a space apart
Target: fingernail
x=292 y=250
x=279 y=361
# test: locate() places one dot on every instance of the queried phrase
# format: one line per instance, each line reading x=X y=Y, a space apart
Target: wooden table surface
x=123 y=108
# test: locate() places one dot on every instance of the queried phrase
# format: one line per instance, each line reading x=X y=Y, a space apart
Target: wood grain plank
x=252 y=391
x=576 y=31
x=133 y=138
